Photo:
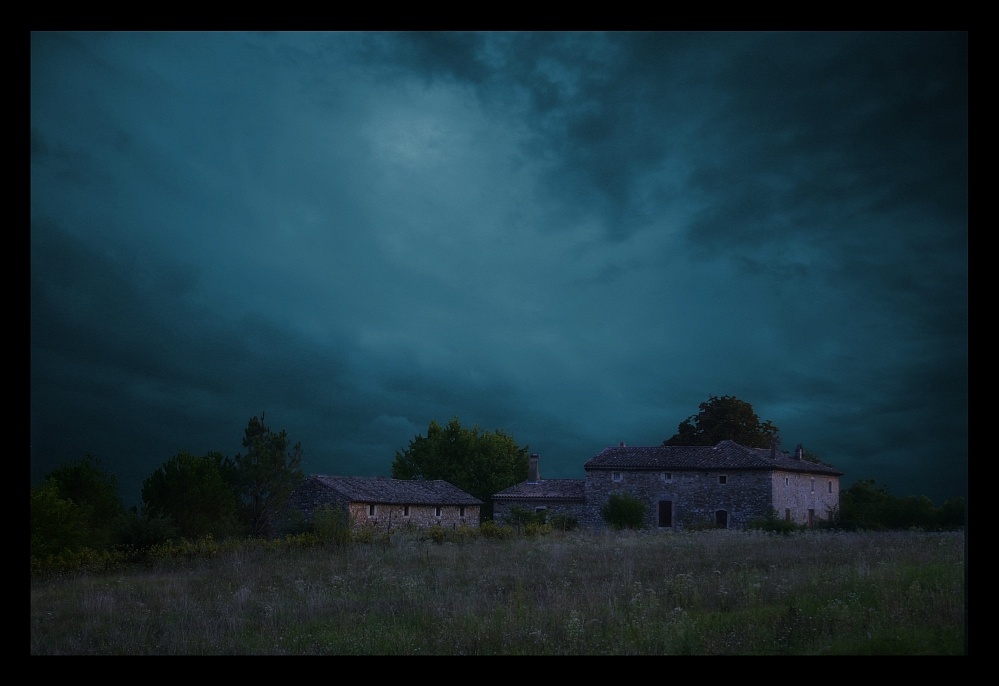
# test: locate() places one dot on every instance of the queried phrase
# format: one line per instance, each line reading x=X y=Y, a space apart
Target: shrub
x=332 y=525
x=625 y=511
x=563 y=522
x=520 y=517
x=491 y=529
x=773 y=523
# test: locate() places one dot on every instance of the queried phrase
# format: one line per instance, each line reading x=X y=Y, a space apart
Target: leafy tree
x=266 y=474
x=196 y=493
x=952 y=514
x=94 y=492
x=725 y=418
x=480 y=463
x=57 y=524
x=143 y=529
x=865 y=505
x=625 y=511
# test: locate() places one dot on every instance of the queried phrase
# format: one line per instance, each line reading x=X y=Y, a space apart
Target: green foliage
x=563 y=522
x=331 y=525
x=266 y=474
x=94 y=492
x=495 y=530
x=143 y=530
x=867 y=506
x=625 y=511
x=773 y=523
x=480 y=463
x=57 y=524
x=953 y=514
x=197 y=493
x=521 y=516
x=725 y=418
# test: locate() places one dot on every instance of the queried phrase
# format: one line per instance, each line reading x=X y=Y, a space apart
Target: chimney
x=799 y=452
x=532 y=472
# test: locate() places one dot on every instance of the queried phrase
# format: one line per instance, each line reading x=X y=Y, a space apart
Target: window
x=617 y=477
x=461 y=511
x=830 y=486
x=811 y=517
x=405 y=510
x=437 y=511
x=813 y=485
x=786 y=481
x=722 y=479
x=371 y=510
x=668 y=477
x=787 y=514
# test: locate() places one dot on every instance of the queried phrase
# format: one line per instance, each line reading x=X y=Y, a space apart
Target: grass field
x=714 y=592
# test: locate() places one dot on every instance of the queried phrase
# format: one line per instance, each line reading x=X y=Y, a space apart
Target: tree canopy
x=85 y=495
x=480 y=463
x=197 y=493
x=725 y=418
x=267 y=473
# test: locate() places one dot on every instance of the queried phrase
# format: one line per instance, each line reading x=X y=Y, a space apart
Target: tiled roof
x=545 y=489
x=726 y=455
x=396 y=491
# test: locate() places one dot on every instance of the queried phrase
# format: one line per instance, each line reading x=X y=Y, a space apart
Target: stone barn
x=387 y=503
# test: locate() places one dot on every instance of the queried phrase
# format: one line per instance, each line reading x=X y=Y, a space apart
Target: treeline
x=79 y=520
x=867 y=506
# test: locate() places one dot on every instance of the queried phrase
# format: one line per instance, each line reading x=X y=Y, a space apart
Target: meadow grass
x=575 y=593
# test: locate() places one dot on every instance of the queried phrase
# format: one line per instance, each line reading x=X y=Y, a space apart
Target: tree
x=725 y=418
x=196 y=493
x=266 y=474
x=480 y=463
x=57 y=524
x=94 y=492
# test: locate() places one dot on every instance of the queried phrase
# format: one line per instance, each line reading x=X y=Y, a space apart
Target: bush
x=625 y=511
x=563 y=522
x=773 y=523
x=331 y=525
x=520 y=517
x=490 y=529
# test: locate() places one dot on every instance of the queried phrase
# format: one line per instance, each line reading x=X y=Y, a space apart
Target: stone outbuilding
x=551 y=496
x=388 y=503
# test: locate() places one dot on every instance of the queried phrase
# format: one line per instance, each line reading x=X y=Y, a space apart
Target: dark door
x=721 y=519
x=665 y=513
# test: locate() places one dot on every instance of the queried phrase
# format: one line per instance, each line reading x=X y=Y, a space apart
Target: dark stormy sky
x=576 y=238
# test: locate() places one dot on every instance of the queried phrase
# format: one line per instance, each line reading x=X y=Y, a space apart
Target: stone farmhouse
x=725 y=485
x=387 y=503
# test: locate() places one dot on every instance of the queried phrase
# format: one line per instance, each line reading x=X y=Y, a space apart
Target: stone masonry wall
x=310 y=496
x=423 y=516
x=695 y=496
x=501 y=509
x=795 y=494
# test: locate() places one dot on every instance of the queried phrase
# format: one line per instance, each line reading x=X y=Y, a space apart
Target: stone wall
x=502 y=509
x=794 y=495
x=310 y=496
x=696 y=496
x=423 y=516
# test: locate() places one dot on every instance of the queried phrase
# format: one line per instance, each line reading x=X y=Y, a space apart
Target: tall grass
x=577 y=593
